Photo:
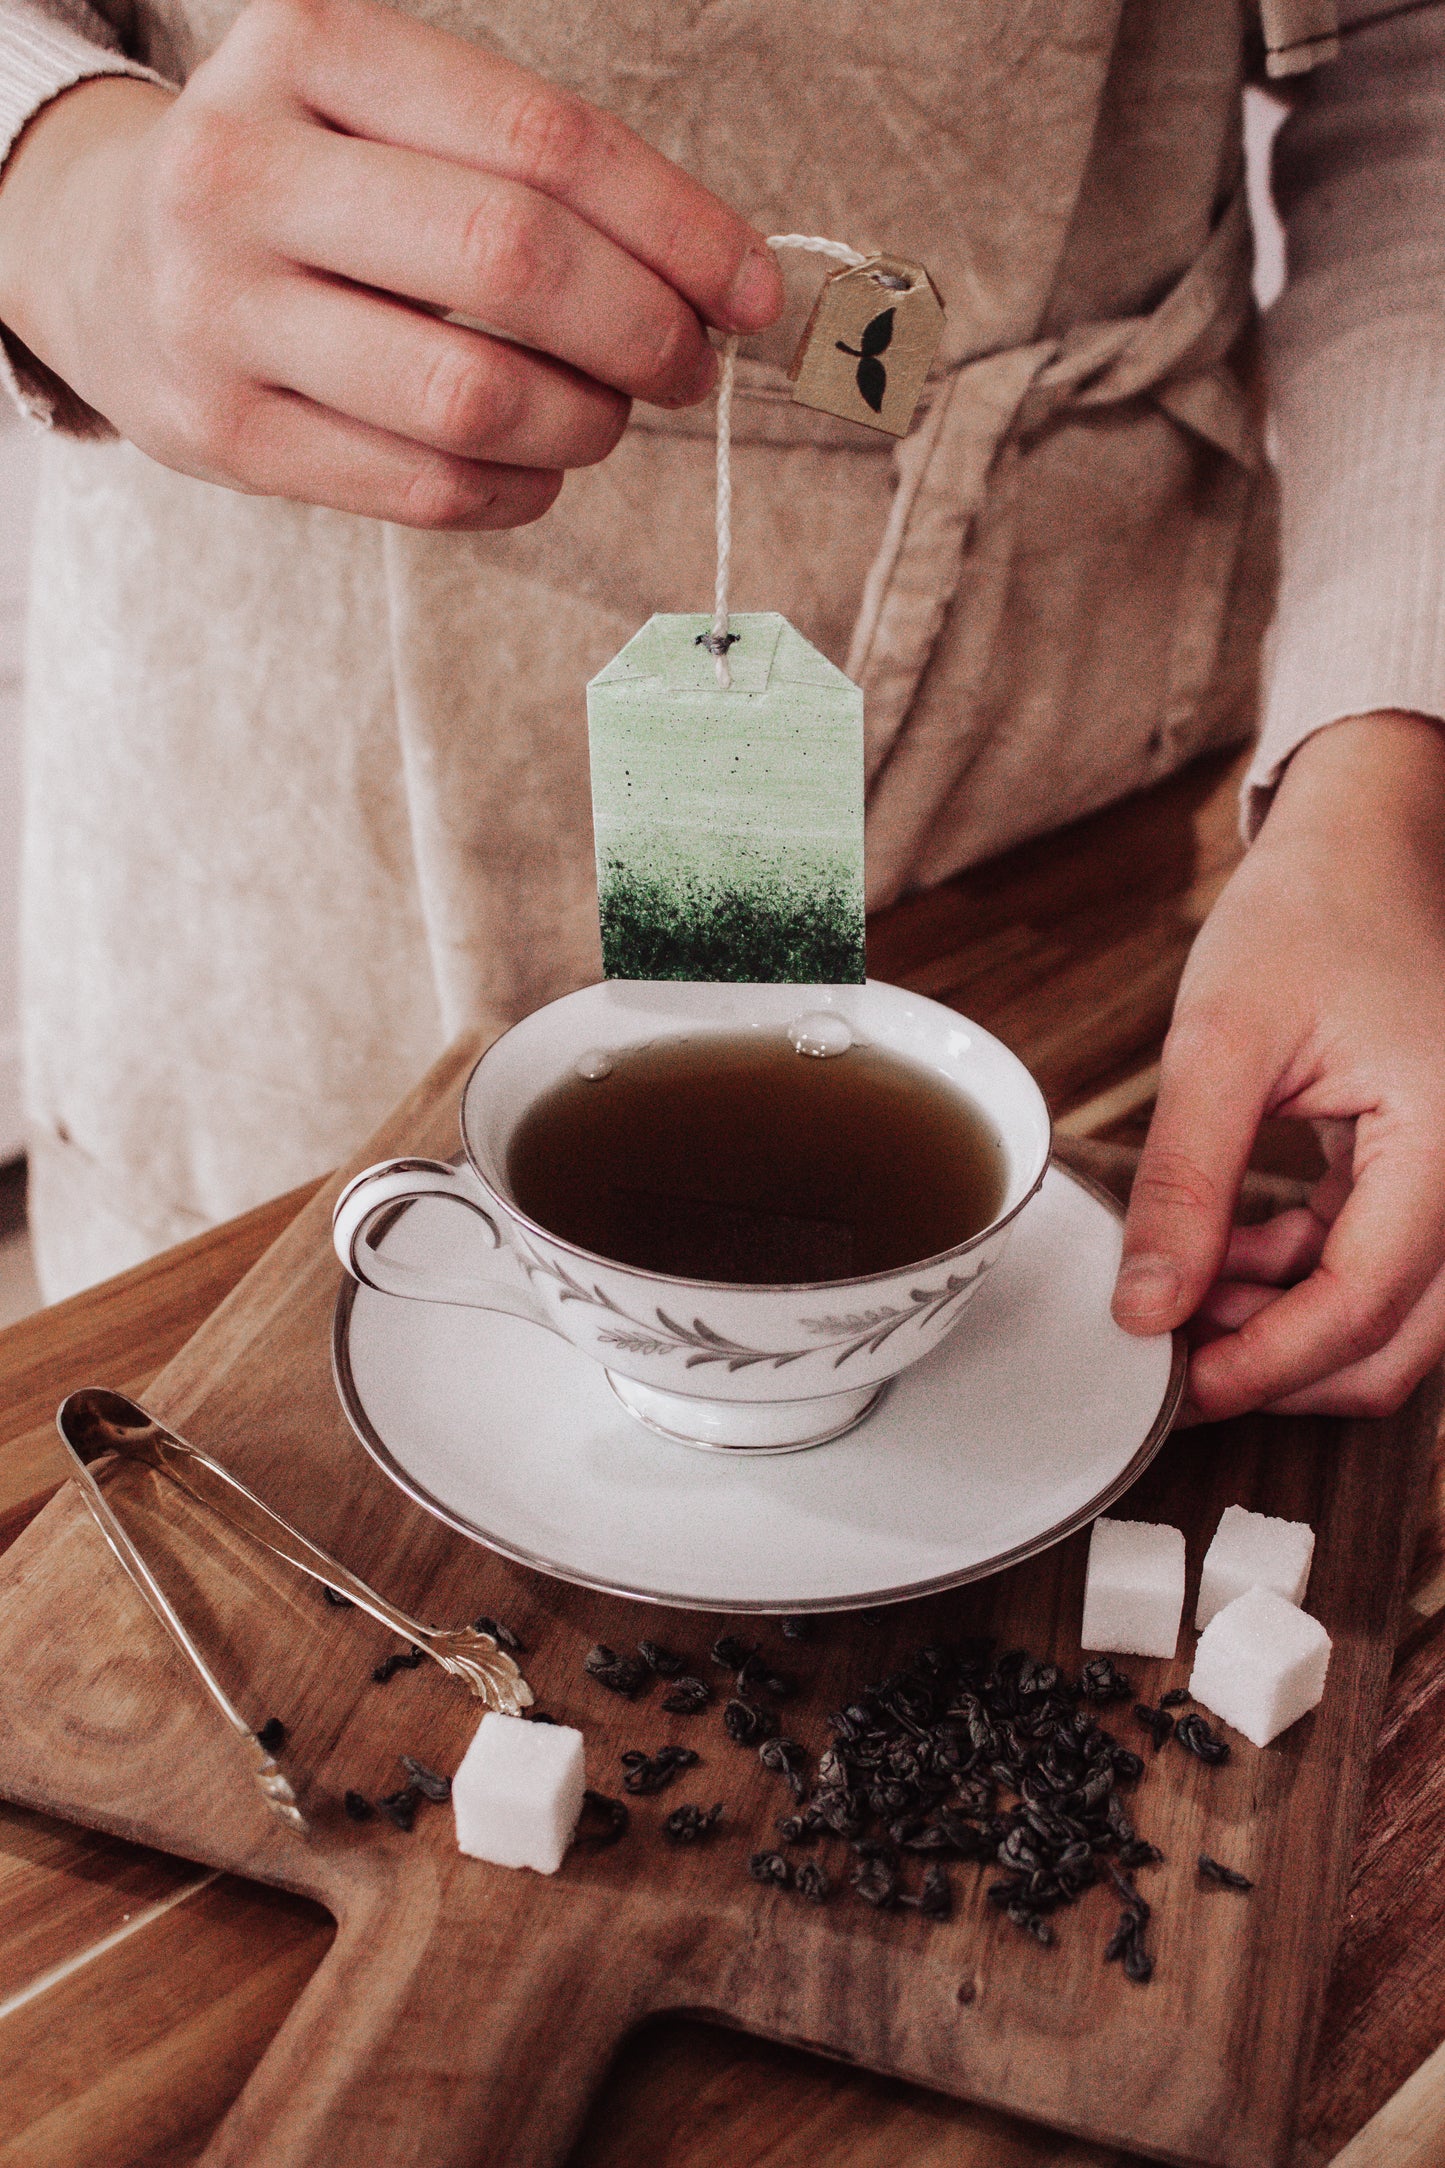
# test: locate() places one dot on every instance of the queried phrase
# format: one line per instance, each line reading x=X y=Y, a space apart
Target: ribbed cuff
x=40 y=56
x=1361 y=619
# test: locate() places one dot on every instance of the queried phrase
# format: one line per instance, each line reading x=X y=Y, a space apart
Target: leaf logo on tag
x=872 y=376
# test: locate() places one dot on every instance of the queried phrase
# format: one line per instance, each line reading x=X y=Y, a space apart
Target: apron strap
x=965 y=452
x=1175 y=355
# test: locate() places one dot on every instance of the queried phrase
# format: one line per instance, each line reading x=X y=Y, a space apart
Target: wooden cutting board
x=465 y=2014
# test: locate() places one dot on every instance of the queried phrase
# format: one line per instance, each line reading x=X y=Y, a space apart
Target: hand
x=247 y=279
x=1316 y=989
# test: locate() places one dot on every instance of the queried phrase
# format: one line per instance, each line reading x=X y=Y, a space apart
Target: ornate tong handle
x=83 y=1444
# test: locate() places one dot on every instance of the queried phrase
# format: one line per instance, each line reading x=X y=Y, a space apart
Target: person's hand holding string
x=250 y=280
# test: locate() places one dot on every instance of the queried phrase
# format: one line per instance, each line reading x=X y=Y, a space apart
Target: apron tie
x=965 y=453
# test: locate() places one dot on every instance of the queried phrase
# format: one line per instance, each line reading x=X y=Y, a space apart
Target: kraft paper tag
x=729 y=824
x=870 y=343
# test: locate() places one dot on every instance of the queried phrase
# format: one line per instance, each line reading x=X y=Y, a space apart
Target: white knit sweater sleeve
x=43 y=51
x=1356 y=357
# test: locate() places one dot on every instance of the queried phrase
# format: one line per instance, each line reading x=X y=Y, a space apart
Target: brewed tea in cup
x=738 y=1156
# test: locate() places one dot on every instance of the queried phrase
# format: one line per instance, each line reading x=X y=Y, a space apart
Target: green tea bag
x=729 y=824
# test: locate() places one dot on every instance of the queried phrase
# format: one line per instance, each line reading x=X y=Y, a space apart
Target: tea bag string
x=719 y=640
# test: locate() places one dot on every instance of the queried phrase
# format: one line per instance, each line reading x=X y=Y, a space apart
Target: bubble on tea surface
x=595 y=1064
x=821 y=1032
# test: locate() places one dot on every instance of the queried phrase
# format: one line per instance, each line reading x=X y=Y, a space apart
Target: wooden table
x=137 y=1992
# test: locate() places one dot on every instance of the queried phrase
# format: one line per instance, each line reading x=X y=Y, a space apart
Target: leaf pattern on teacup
x=699 y=1343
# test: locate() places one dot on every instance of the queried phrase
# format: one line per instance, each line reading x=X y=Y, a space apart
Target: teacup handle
x=377 y=1191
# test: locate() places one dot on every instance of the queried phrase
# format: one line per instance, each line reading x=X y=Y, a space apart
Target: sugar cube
x=1261 y=1664
x=1134 y=1589
x=1254 y=1550
x=518 y=1792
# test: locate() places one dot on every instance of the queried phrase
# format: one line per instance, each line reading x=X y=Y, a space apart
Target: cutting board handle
x=429 y=2038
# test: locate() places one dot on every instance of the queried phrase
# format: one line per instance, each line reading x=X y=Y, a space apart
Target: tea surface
x=731 y=1157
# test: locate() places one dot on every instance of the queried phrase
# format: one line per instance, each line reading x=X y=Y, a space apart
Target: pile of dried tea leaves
x=961 y=1754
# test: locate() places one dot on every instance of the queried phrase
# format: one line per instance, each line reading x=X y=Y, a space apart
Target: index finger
x=1381 y=1254
x=439 y=94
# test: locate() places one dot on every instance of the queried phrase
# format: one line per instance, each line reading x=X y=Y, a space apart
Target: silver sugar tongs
x=95 y=1422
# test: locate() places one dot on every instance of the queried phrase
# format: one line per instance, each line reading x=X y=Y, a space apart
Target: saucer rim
x=370 y=1439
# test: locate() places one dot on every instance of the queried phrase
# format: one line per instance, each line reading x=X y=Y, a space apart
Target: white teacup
x=752 y=1368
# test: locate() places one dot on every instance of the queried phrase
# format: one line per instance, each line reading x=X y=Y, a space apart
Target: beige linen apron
x=307 y=794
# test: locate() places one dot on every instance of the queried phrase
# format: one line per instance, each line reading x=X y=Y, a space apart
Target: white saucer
x=1024 y=1424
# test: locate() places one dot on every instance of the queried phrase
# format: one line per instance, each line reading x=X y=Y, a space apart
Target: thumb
x=1212 y=1093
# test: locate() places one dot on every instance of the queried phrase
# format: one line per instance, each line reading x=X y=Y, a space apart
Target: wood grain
x=62 y=1891
x=122 y=1334
x=1384 y=2015
x=1020 y=945
x=392 y=2021
x=136 y=2055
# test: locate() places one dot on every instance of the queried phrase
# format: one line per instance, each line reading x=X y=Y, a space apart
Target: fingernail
x=757 y=292
x=1146 y=1292
x=698 y=385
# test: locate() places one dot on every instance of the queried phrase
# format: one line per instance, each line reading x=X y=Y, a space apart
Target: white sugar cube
x=518 y=1792
x=1134 y=1589
x=1254 y=1550
x=1261 y=1664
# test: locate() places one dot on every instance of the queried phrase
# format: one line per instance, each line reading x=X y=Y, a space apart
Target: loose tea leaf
x=876 y=1883
x=1201 y=1740
x=755 y=1677
x=1213 y=1870
x=770 y=1867
x=400 y=1807
x=729 y=1653
x=272 y=1736
x=783 y=1757
x=359 y=1807
x=660 y=1660
x=403 y=1660
x=692 y=1825
x=797 y=1629
x=935 y=1899
x=334 y=1597
x=647 y=1774
x=1175 y=1698
x=746 y=1725
x=1157 y=1721
x=625 y=1675
x=1100 y=1681
x=1137 y=1904
x=609 y=1819
x=687 y=1696
x=428 y=1783
x=810 y=1881
x=1138 y=1964
x=502 y=1635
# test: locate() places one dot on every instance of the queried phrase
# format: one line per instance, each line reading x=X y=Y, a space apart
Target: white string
x=719 y=640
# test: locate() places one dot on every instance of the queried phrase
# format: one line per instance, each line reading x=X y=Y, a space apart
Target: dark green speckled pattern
x=758 y=930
